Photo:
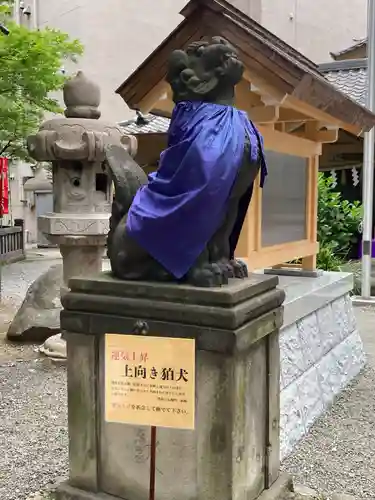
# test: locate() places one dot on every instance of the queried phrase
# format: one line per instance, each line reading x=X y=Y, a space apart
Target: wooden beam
x=334 y=166
x=280 y=126
x=264 y=88
x=313 y=133
x=264 y=114
x=337 y=148
x=244 y=98
x=309 y=110
x=293 y=126
x=347 y=137
x=290 y=115
x=148 y=102
x=270 y=94
x=163 y=107
x=327 y=136
x=270 y=256
x=288 y=144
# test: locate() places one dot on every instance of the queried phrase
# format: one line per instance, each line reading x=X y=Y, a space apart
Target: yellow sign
x=150 y=381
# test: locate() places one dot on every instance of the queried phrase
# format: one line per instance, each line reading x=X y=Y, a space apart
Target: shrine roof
x=267 y=59
x=146 y=124
x=355 y=46
x=348 y=76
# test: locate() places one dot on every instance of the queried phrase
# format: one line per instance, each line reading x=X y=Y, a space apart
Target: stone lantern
x=82 y=190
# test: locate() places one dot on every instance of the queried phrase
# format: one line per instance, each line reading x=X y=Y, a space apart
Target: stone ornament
x=76 y=146
x=82 y=98
x=79 y=136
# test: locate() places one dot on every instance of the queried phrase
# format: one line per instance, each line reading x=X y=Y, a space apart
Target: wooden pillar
x=309 y=262
x=251 y=236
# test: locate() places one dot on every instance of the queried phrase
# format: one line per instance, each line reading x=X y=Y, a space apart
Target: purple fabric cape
x=175 y=215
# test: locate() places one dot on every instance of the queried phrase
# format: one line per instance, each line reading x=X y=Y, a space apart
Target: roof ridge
x=348 y=64
x=258 y=29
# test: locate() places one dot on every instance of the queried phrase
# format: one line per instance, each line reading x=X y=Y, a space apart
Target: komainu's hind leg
x=219 y=246
x=204 y=273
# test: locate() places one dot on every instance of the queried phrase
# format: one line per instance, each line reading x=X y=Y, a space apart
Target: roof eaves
x=355 y=46
x=152 y=124
x=346 y=65
x=349 y=77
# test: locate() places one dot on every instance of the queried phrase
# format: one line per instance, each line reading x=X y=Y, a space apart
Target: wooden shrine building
x=296 y=109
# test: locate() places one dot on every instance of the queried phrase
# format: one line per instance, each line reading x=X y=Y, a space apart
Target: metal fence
x=12 y=242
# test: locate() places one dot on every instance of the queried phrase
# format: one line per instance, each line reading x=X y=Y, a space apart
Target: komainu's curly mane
x=207 y=70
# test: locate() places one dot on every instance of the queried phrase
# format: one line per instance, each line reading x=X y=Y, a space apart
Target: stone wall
x=320 y=354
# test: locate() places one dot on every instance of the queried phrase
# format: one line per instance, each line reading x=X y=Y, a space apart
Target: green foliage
x=338 y=222
x=327 y=259
x=30 y=63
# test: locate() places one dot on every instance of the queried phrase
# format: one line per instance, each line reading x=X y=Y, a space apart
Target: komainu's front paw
x=226 y=268
x=239 y=268
x=208 y=275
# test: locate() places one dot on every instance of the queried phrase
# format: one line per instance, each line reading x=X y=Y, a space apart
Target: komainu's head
x=205 y=71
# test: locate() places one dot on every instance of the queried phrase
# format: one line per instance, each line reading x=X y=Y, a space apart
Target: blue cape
x=175 y=215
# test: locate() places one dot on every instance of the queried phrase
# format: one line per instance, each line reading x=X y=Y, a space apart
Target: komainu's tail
x=127 y=177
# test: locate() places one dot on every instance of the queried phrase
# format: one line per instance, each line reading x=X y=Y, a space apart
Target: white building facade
x=119 y=34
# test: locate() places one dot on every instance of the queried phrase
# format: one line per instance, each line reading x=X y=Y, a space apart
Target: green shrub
x=327 y=259
x=338 y=222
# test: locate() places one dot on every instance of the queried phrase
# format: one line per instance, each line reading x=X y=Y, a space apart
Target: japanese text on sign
x=150 y=381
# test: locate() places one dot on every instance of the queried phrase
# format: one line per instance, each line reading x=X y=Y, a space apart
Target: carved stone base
x=231 y=453
x=75 y=224
x=278 y=491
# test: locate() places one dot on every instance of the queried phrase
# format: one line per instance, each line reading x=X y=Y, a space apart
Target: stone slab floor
x=338 y=455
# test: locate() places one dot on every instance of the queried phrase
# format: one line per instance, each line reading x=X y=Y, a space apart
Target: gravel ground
x=33 y=431
x=15 y=280
x=338 y=455
x=17 y=277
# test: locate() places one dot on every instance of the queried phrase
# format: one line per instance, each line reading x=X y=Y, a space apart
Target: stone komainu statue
x=182 y=223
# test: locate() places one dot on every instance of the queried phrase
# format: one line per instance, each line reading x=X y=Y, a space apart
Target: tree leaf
x=30 y=73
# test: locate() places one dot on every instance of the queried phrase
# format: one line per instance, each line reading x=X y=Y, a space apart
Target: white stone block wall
x=320 y=354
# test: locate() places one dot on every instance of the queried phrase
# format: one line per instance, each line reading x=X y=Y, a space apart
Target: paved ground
x=337 y=455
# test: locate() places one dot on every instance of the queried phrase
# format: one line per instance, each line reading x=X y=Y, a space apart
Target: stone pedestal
x=81 y=256
x=76 y=258
x=234 y=450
